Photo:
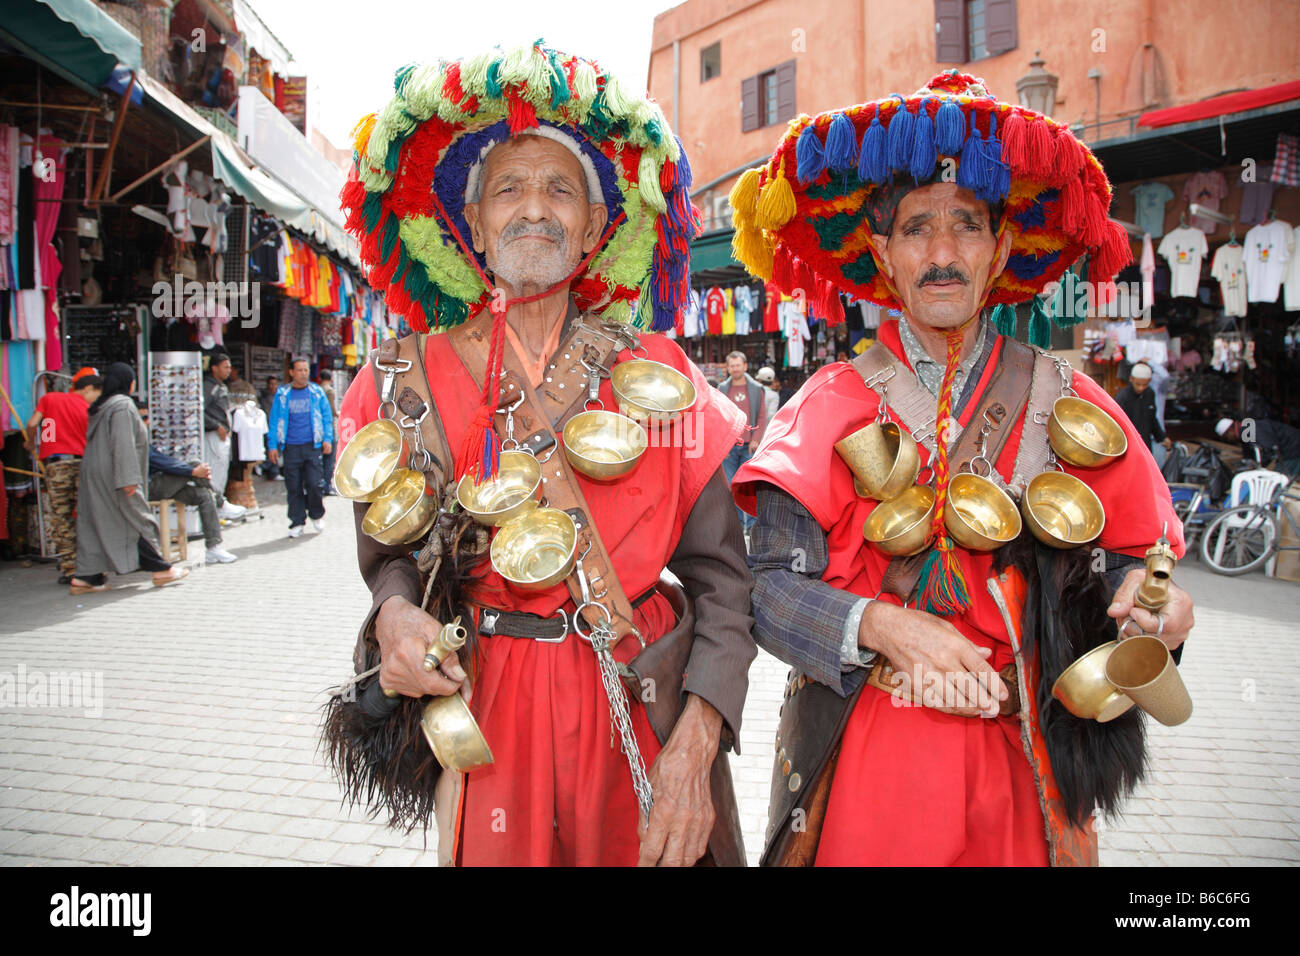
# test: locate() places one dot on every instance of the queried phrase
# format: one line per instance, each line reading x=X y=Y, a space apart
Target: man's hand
x=273 y=456
x=404 y=633
x=129 y=490
x=1177 y=614
x=201 y=470
x=222 y=432
x=753 y=446
x=1168 y=442
x=30 y=444
x=326 y=448
x=681 y=820
x=914 y=639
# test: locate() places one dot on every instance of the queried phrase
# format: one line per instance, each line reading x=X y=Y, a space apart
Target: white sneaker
x=296 y=531
x=318 y=524
x=279 y=477
x=219 y=555
x=231 y=511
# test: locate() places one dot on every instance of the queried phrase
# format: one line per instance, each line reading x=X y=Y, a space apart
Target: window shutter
x=949 y=31
x=749 y=104
x=785 y=92
x=1000 y=26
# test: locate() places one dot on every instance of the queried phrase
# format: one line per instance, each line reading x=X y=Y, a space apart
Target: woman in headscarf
x=115 y=527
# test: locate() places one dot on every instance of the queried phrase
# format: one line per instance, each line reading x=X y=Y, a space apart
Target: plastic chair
x=1258 y=486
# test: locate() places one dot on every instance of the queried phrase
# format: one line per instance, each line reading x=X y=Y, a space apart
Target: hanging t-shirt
x=1150 y=199
x=249 y=426
x=691 y=316
x=1266 y=251
x=1292 y=280
x=1257 y=197
x=715 y=303
x=772 y=312
x=1184 y=248
x=1206 y=188
x=728 y=314
x=744 y=301
x=1229 y=269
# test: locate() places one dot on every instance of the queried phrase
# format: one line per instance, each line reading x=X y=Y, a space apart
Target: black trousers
x=302 y=480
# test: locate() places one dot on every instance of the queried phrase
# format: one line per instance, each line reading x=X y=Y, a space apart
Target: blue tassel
x=873 y=166
x=810 y=156
x=900 y=138
x=971 y=174
x=1040 y=329
x=996 y=170
x=924 y=156
x=684 y=175
x=1004 y=320
x=949 y=128
x=841 y=144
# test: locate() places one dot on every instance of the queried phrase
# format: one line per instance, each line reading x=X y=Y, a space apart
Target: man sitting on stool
x=190 y=485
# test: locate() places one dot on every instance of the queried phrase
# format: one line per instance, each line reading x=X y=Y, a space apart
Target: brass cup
x=1083 y=434
x=510 y=494
x=1143 y=668
x=1061 y=511
x=1085 y=690
x=402 y=510
x=901 y=525
x=369 y=460
x=979 y=515
x=604 y=445
x=646 y=389
x=535 y=551
x=883 y=458
x=454 y=735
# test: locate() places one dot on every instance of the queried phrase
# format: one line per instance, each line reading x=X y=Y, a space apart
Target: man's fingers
x=451 y=667
x=653 y=839
x=1122 y=602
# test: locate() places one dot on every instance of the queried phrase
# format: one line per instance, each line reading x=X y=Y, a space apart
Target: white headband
x=594 y=193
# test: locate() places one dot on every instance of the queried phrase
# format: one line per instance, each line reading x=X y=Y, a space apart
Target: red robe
x=914 y=785
x=558 y=793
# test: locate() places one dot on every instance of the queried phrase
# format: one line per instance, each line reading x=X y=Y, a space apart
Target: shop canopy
x=74 y=38
x=1222 y=105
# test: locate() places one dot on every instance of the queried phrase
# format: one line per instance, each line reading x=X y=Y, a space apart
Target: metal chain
x=621 y=717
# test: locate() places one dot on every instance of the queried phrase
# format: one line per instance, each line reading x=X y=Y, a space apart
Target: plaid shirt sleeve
x=799 y=618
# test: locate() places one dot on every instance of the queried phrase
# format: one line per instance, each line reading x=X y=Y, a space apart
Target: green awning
x=74 y=38
x=712 y=251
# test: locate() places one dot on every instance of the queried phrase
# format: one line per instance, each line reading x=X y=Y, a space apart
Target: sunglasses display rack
x=176 y=404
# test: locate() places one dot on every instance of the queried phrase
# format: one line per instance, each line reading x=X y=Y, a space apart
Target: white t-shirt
x=1184 y=249
x=250 y=427
x=1267 y=249
x=1229 y=269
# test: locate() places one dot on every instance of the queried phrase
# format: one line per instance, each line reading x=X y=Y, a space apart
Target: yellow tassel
x=648 y=183
x=361 y=133
x=775 y=203
x=744 y=195
x=751 y=247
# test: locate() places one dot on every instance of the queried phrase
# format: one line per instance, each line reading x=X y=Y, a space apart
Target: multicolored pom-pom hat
x=415 y=162
x=803 y=220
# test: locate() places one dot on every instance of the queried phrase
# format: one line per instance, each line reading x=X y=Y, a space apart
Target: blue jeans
x=730 y=465
x=302 y=481
x=327 y=474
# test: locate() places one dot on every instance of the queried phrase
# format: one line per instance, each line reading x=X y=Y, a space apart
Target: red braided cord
x=942 y=416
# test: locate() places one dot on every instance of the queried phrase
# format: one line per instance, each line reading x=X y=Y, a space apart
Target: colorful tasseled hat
x=413 y=161
x=802 y=220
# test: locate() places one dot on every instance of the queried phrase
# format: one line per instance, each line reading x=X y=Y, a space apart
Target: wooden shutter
x=1000 y=26
x=749 y=104
x=785 y=110
x=949 y=31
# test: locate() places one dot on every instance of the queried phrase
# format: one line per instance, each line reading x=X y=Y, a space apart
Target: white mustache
x=518 y=230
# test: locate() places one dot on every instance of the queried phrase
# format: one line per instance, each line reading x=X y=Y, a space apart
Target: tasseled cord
x=942 y=587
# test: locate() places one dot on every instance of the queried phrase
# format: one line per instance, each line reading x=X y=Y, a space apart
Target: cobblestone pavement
x=193 y=738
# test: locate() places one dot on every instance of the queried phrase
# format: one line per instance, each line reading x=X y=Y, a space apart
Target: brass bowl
x=901 y=525
x=883 y=458
x=454 y=735
x=980 y=515
x=510 y=494
x=603 y=445
x=648 y=389
x=1085 y=691
x=536 y=550
x=1083 y=434
x=369 y=460
x=1061 y=511
x=402 y=511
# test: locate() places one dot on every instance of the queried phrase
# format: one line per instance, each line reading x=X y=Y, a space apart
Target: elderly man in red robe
x=528 y=204
x=919 y=725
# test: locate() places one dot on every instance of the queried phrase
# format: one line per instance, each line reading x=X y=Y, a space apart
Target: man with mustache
x=538 y=243
x=919 y=726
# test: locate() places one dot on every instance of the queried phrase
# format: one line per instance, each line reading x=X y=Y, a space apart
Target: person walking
x=1138 y=400
x=771 y=390
x=301 y=429
x=60 y=422
x=216 y=431
x=115 y=527
x=267 y=397
x=327 y=473
x=747 y=395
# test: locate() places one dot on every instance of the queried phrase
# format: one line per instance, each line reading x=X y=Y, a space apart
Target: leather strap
x=884 y=677
x=543 y=412
x=493 y=621
x=414 y=398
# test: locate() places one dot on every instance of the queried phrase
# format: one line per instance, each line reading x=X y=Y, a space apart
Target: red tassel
x=1113 y=255
x=451 y=87
x=521 y=115
x=783 y=269
x=1014 y=144
x=1039 y=148
x=668 y=178
x=1067 y=160
x=468 y=462
x=832 y=307
x=1094 y=220
x=1072 y=200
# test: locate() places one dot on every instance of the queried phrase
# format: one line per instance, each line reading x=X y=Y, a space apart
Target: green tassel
x=1004 y=320
x=942 y=586
x=1040 y=327
x=1063 y=317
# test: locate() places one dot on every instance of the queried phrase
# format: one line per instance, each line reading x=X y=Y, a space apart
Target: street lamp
x=1037 y=88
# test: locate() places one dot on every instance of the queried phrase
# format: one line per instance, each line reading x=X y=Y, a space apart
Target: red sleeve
x=360 y=405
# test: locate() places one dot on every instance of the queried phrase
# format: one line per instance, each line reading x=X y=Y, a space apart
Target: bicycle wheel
x=1239 y=540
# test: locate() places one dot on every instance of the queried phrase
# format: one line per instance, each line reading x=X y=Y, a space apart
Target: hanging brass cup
x=536 y=550
x=979 y=515
x=1061 y=511
x=645 y=389
x=883 y=458
x=454 y=735
x=369 y=460
x=604 y=445
x=1085 y=690
x=1083 y=434
x=510 y=494
x=402 y=510
x=901 y=525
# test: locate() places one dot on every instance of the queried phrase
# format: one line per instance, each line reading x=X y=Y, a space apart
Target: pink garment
x=48 y=193
x=8 y=181
x=1148 y=269
x=1206 y=189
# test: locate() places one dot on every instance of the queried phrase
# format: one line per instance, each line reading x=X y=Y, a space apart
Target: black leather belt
x=62 y=457
x=549 y=630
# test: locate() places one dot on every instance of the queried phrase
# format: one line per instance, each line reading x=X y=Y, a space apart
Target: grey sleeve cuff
x=851 y=654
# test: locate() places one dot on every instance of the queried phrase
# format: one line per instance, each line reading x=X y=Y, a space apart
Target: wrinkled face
x=941 y=254
x=736 y=367
x=299 y=373
x=533 y=220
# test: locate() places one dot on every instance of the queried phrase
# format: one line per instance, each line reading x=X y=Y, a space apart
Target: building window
x=710 y=62
x=768 y=98
x=976 y=47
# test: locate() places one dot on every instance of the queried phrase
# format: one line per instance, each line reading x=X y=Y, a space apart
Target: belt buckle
x=563 y=634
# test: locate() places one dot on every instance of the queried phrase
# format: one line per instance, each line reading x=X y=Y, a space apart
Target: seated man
x=190 y=485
